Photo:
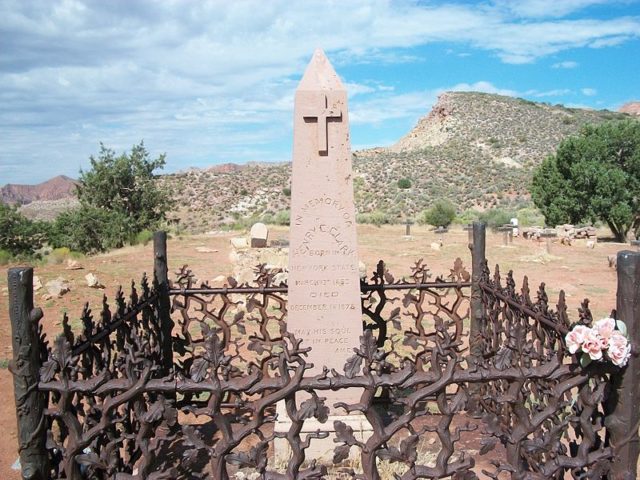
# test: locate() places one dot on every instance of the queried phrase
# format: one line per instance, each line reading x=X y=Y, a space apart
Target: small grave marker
x=408 y=224
x=469 y=229
x=259 y=235
x=548 y=234
x=507 y=237
x=440 y=231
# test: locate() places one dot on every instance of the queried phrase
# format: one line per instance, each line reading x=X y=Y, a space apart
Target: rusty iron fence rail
x=183 y=381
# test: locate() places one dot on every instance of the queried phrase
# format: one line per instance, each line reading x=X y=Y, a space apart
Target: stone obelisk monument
x=324 y=290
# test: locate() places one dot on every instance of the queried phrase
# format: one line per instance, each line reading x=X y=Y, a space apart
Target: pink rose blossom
x=592 y=344
x=605 y=327
x=575 y=338
x=619 y=349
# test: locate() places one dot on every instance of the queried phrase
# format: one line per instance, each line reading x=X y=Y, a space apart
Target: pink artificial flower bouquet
x=606 y=340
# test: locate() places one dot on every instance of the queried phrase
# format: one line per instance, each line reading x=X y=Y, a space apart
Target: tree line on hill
x=119 y=203
x=592 y=177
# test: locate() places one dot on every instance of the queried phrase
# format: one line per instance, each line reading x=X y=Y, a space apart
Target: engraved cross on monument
x=322 y=117
x=324 y=286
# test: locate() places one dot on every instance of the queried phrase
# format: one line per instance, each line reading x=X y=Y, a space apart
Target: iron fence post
x=478 y=258
x=161 y=276
x=623 y=416
x=25 y=367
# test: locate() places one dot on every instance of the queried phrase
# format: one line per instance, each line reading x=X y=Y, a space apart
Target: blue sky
x=211 y=82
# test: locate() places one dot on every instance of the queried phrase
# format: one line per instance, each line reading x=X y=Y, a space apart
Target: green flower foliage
x=594 y=176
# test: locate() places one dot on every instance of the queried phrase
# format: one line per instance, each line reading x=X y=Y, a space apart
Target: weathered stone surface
x=239 y=242
x=57 y=287
x=92 y=281
x=259 y=235
x=245 y=260
x=37 y=283
x=323 y=275
x=205 y=250
x=324 y=295
x=73 y=265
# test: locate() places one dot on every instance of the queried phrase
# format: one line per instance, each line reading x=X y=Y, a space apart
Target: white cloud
x=565 y=64
x=611 y=41
x=556 y=92
x=589 y=92
x=482 y=86
x=192 y=77
x=366 y=88
x=392 y=107
x=546 y=8
x=412 y=105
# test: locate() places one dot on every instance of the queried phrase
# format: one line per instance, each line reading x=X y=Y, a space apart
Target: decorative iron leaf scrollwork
x=540 y=419
x=236 y=370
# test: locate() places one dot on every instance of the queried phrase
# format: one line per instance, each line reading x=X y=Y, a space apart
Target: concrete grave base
x=320 y=449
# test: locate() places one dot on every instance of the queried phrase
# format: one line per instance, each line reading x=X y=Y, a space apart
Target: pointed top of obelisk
x=320 y=75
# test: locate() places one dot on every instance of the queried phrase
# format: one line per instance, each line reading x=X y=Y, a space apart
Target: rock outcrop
x=57 y=188
x=632 y=108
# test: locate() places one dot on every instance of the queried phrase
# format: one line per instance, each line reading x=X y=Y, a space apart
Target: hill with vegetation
x=477 y=150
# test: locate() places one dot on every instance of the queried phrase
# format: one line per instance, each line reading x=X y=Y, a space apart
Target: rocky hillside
x=632 y=108
x=57 y=188
x=48 y=210
x=207 y=198
x=478 y=150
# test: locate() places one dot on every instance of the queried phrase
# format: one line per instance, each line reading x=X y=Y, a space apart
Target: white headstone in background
x=259 y=235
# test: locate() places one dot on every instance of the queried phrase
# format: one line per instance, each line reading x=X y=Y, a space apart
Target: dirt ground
x=578 y=270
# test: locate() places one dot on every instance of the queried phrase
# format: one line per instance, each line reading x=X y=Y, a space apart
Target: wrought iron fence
x=184 y=381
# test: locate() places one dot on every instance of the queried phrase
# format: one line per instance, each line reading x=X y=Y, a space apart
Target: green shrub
x=18 y=234
x=530 y=216
x=377 y=217
x=59 y=255
x=143 y=237
x=404 y=183
x=125 y=186
x=267 y=218
x=286 y=191
x=468 y=216
x=283 y=217
x=89 y=230
x=496 y=217
x=440 y=215
x=5 y=257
